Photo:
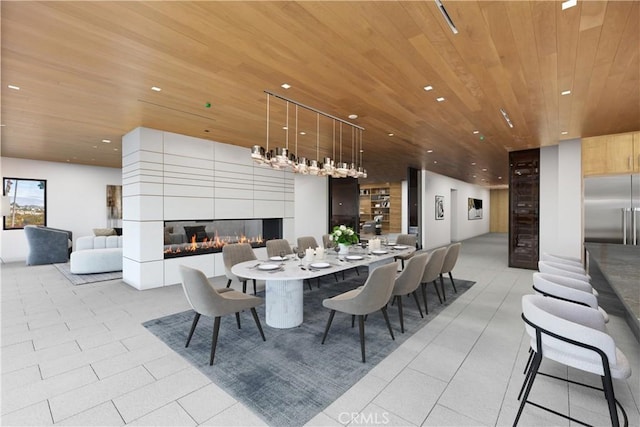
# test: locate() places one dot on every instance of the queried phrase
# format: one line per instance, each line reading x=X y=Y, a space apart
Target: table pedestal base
x=283 y=303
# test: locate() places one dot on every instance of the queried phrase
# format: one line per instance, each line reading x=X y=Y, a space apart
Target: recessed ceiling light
x=95 y=146
x=569 y=3
x=506 y=117
x=285 y=128
x=428 y=88
x=390 y=134
x=473 y=163
x=156 y=88
x=499 y=177
x=475 y=132
x=106 y=141
x=353 y=116
x=13 y=87
x=484 y=169
x=285 y=85
x=115 y=149
x=474 y=176
x=435 y=161
x=303 y=133
x=361 y=150
x=429 y=151
x=565 y=92
x=440 y=99
x=564 y=132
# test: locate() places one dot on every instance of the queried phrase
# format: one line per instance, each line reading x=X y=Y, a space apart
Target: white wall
x=436 y=233
x=311 y=211
x=561 y=199
x=76 y=199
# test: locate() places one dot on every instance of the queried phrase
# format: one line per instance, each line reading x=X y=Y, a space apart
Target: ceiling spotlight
x=506 y=117
x=568 y=4
x=484 y=169
x=564 y=132
x=303 y=133
x=390 y=134
x=446 y=16
x=285 y=85
x=13 y=87
x=565 y=92
x=499 y=177
x=429 y=151
x=353 y=116
x=473 y=163
x=435 y=161
x=428 y=88
x=440 y=99
x=475 y=132
x=156 y=88
x=106 y=141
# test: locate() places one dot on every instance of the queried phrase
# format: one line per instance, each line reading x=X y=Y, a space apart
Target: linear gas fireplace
x=197 y=237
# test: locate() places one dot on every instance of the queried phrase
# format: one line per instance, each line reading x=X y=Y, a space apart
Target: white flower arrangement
x=343 y=234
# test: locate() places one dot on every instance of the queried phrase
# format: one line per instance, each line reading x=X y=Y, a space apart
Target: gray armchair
x=47 y=245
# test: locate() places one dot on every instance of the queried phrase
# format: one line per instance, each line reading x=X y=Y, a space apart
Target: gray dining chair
x=275 y=247
x=431 y=273
x=306 y=242
x=408 y=281
x=235 y=253
x=406 y=240
x=450 y=259
x=372 y=296
x=327 y=242
x=205 y=299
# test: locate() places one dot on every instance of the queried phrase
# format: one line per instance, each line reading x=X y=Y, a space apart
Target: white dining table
x=284 y=279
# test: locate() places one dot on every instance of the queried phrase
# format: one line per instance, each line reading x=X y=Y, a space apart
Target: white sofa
x=97 y=254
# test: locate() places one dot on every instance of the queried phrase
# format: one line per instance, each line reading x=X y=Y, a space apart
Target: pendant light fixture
x=282 y=158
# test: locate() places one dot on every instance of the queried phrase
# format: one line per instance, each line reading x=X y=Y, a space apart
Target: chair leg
x=402 y=262
x=537 y=358
x=214 y=339
x=244 y=286
x=193 y=328
x=238 y=319
x=386 y=319
x=335 y=275
x=415 y=298
x=357 y=272
x=326 y=330
x=353 y=320
x=309 y=284
x=254 y=287
x=435 y=284
x=444 y=295
x=526 y=367
x=453 y=283
x=607 y=387
x=361 y=328
x=423 y=286
x=228 y=283
x=400 y=313
x=255 y=317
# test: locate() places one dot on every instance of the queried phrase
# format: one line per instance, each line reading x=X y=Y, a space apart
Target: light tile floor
x=78 y=355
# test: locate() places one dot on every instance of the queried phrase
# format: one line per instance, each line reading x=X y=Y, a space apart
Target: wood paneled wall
x=499 y=217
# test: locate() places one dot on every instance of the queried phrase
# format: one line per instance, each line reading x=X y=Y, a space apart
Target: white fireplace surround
x=167 y=177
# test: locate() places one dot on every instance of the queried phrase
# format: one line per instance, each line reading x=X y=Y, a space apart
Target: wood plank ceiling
x=85 y=72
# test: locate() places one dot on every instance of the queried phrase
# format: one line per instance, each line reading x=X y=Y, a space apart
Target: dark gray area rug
x=291 y=377
x=83 y=279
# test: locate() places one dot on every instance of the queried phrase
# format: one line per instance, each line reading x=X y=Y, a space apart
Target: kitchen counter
x=620 y=266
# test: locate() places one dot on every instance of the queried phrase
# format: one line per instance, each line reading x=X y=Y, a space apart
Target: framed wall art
x=475 y=208
x=439 y=207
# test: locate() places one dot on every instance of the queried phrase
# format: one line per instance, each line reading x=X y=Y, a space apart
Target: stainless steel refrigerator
x=612 y=209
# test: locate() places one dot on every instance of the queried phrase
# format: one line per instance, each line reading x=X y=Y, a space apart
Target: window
x=24 y=202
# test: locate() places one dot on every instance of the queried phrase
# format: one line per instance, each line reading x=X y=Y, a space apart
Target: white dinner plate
x=400 y=247
x=268 y=266
x=378 y=252
x=278 y=258
x=319 y=265
x=392 y=243
x=354 y=257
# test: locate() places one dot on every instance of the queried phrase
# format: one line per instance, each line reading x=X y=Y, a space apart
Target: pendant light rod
x=313 y=109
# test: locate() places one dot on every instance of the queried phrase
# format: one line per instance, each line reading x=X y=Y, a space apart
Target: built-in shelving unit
x=524 y=209
x=381 y=201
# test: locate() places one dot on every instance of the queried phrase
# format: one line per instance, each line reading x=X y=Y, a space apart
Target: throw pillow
x=104 y=232
x=197 y=231
x=118 y=231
